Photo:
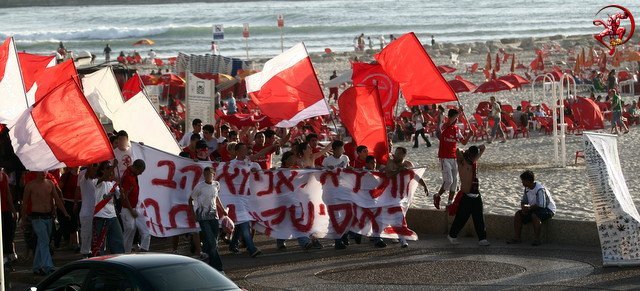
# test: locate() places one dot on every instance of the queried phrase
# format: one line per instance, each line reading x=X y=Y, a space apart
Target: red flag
x=407 y=63
x=361 y=114
x=60 y=130
x=497 y=69
x=50 y=78
x=513 y=63
x=287 y=89
x=538 y=63
x=388 y=90
x=487 y=64
x=132 y=87
x=31 y=65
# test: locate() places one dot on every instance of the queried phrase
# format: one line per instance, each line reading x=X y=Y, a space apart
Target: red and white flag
x=407 y=63
x=50 y=78
x=287 y=89
x=31 y=65
x=132 y=87
x=12 y=94
x=388 y=90
x=361 y=114
x=60 y=130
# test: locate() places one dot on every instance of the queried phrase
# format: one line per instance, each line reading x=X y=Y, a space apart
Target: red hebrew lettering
x=398 y=229
x=228 y=178
x=231 y=212
x=168 y=182
x=270 y=189
x=283 y=180
x=245 y=178
x=340 y=227
x=358 y=183
x=158 y=219
x=297 y=221
x=331 y=174
x=384 y=183
x=369 y=214
x=197 y=174
x=323 y=210
x=181 y=208
x=403 y=189
x=279 y=213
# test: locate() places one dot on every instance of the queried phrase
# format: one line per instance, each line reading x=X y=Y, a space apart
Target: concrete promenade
x=568 y=259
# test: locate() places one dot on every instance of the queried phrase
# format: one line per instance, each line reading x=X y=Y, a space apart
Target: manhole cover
x=434 y=272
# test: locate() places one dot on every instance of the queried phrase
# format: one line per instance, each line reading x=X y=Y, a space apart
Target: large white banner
x=102 y=92
x=283 y=203
x=616 y=215
x=200 y=100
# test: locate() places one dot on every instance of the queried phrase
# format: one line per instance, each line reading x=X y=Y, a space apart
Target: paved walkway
x=431 y=263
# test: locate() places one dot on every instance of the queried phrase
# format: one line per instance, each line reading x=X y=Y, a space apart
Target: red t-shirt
x=224 y=153
x=263 y=161
x=4 y=185
x=192 y=154
x=449 y=141
x=130 y=183
x=358 y=163
x=69 y=187
x=350 y=150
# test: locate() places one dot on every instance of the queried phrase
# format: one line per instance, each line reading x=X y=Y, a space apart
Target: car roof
x=141 y=261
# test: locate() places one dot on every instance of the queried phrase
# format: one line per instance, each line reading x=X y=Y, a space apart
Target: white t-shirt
x=204 y=200
x=88 y=192
x=417 y=121
x=186 y=138
x=341 y=162
x=244 y=164
x=540 y=196
x=125 y=159
x=102 y=190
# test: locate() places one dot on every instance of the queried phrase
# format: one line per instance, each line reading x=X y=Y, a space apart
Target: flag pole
x=321 y=91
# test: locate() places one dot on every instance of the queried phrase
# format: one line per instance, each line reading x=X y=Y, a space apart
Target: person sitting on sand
x=536 y=204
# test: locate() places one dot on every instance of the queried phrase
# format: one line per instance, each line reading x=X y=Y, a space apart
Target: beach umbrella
x=583 y=61
x=144 y=41
x=591 y=60
x=513 y=63
x=487 y=65
x=172 y=80
x=497 y=68
x=494 y=85
x=446 y=69
x=459 y=84
x=515 y=79
x=576 y=67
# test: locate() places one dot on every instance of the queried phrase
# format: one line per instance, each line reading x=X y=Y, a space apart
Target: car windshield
x=187 y=277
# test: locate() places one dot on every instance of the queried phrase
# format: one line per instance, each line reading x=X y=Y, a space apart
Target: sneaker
x=340 y=246
x=308 y=246
x=358 y=238
x=453 y=240
x=256 y=253
x=282 y=246
x=345 y=241
x=436 y=201
x=234 y=250
x=404 y=243
x=428 y=144
x=380 y=244
x=484 y=243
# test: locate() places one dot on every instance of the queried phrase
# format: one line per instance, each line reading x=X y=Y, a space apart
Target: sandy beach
x=502 y=164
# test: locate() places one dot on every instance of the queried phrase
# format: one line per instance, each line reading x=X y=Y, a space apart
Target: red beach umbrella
x=515 y=79
x=494 y=85
x=461 y=85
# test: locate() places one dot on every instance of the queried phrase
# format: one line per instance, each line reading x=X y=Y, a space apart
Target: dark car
x=141 y=272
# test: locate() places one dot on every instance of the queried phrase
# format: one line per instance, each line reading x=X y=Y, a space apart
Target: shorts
x=615 y=117
x=449 y=174
x=542 y=213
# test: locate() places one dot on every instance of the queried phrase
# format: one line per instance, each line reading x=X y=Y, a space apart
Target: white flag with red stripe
x=13 y=100
x=60 y=130
x=287 y=89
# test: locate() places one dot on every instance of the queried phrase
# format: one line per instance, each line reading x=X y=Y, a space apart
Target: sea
x=333 y=24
